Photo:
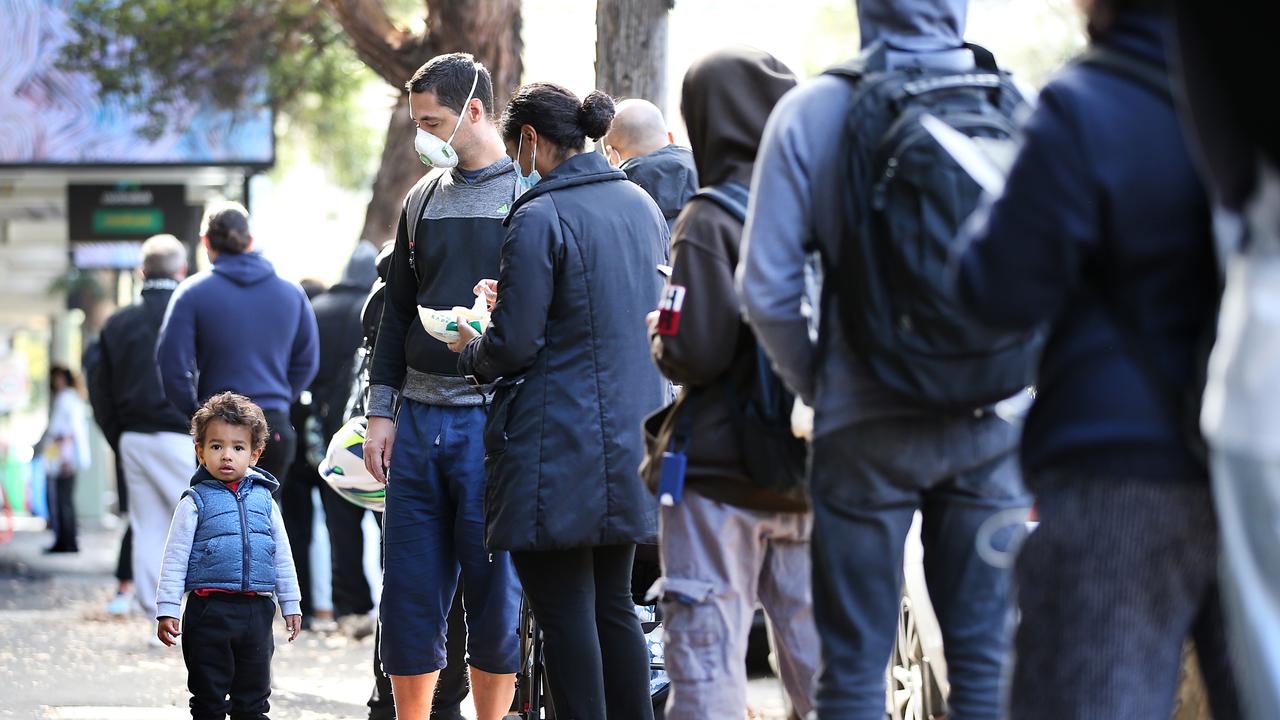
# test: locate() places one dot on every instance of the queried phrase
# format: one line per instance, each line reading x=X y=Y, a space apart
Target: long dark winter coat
x=568 y=341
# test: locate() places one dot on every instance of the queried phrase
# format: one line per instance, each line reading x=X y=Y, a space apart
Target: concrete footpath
x=63 y=657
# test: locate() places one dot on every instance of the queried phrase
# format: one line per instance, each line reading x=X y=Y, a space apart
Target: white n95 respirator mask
x=432 y=150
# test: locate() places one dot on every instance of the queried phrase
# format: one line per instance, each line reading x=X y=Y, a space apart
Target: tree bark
x=631 y=48
x=488 y=29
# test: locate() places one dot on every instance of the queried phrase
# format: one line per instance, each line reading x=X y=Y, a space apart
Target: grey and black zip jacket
x=457 y=241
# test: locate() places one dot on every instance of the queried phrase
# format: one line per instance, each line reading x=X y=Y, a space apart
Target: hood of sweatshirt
x=913 y=25
x=244 y=268
x=667 y=174
x=726 y=99
x=362 y=268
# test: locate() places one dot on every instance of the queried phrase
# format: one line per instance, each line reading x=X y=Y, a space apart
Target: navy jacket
x=238 y=327
x=568 y=340
x=669 y=176
x=1103 y=229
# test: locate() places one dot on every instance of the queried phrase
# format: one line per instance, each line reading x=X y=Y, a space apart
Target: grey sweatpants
x=1119 y=573
x=157 y=467
x=718 y=561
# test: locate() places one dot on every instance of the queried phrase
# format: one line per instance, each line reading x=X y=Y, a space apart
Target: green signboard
x=128 y=221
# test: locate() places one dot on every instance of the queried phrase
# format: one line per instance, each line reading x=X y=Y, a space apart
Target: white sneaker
x=121 y=604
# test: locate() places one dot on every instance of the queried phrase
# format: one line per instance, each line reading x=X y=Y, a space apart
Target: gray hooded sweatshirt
x=798 y=192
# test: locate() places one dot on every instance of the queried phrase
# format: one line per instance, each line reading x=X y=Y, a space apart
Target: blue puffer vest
x=233 y=548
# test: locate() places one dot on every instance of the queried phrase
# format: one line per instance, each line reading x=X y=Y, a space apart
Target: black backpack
x=773 y=456
x=891 y=273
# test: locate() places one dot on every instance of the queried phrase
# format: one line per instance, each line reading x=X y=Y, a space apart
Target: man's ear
x=671 y=138
x=249 y=247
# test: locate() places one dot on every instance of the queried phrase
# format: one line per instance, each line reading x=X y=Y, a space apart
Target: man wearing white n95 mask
x=449 y=238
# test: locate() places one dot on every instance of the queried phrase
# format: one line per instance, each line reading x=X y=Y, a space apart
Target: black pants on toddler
x=227 y=646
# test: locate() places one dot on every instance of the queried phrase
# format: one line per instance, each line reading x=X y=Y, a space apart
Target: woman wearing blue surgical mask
x=567 y=346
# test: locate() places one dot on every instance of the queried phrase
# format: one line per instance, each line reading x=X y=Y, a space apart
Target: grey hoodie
x=798 y=198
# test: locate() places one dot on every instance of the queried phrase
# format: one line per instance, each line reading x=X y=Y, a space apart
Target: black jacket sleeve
x=98 y=376
x=526 y=284
x=399 y=309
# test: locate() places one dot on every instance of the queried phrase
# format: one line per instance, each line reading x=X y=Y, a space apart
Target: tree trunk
x=489 y=29
x=631 y=48
x=399 y=169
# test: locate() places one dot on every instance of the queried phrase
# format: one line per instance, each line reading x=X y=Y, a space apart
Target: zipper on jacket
x=244 y=542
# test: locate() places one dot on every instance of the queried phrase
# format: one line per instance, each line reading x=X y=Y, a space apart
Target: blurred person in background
x=574 y=383
x=1222 y=57
x=65 y=449
x=124 y=601
x=640 y=145
x=340 y=335
x=731 y=541
x=148 y=434
x=295 y=492
x=240 y=327
x=1103 y=231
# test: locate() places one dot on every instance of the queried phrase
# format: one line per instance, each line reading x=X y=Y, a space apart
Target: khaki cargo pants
x=718 y=563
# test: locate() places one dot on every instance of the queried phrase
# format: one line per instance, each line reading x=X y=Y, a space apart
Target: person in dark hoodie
x=147 y=432
x=239 y=327
x=640 y=145
x=567 y=346
x=1104 y=231
x=876 y=457
x=728 y=544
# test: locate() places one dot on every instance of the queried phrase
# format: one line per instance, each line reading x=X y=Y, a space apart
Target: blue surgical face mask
x=525 y=182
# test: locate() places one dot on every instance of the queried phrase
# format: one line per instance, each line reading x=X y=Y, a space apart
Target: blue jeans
x=433 y=530
x=867 y=481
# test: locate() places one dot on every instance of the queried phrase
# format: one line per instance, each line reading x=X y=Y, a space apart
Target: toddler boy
x=227 y=546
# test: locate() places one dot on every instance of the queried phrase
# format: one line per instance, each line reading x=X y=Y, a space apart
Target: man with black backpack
x=737 y=532
x=902 y=383
x=449 y=238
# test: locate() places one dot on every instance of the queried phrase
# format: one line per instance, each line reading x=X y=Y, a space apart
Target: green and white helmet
x=343 y=467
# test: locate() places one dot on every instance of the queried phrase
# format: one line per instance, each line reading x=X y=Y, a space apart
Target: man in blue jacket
x=239 y=327
x=876 y=457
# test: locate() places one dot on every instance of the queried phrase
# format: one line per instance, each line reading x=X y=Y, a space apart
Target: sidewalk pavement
x=62 y=657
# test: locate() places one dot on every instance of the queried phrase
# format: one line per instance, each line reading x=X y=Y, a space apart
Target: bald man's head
x=638 y=129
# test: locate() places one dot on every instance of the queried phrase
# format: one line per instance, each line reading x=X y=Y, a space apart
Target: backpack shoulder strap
x=732 y=196
x=1142 y=71
x=414 y=203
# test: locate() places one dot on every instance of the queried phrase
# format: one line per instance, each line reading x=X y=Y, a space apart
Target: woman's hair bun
x=596 y=114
